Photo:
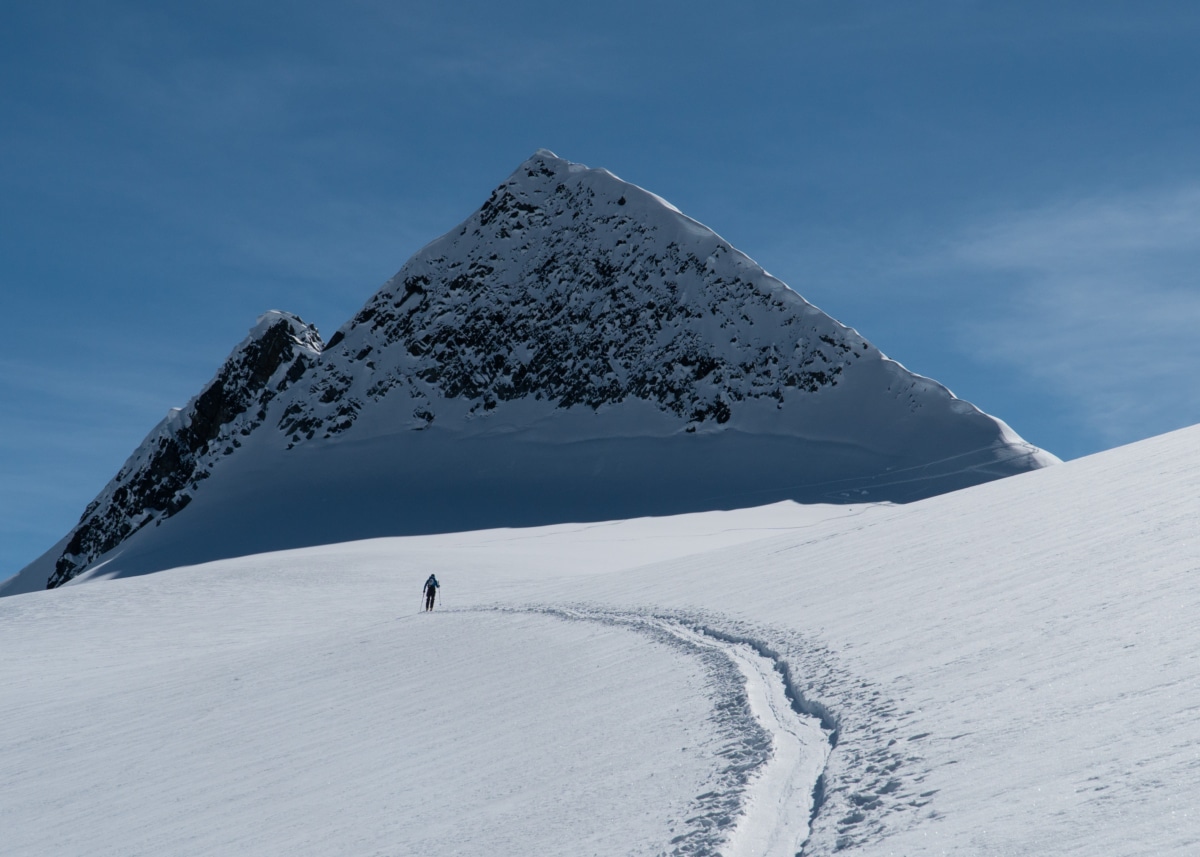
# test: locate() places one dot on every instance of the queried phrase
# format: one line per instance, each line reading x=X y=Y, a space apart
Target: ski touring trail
x=770 y=790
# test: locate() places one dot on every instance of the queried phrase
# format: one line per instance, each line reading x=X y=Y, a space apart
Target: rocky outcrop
x=159 y=479
x=575 y=288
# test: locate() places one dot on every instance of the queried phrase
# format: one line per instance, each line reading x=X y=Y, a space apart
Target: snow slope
x=577 y=349
x=1010 y=669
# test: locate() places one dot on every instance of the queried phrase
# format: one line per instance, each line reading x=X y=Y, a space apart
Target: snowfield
x=1011 y=669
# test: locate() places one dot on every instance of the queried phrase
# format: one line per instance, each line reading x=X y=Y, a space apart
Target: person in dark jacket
x=431 y=588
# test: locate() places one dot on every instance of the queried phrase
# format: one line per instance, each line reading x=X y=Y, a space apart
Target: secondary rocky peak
x=159 y=479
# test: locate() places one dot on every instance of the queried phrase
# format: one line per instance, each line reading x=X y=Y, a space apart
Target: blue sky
x=1002 y=196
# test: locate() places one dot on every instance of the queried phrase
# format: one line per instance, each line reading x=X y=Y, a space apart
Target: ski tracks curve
x=769 y=784
x=814 y=759
x=778 y=802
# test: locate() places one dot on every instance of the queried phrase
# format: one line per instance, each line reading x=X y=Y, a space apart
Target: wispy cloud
x=63 y=435
x=131 y=388
x=1100 y=299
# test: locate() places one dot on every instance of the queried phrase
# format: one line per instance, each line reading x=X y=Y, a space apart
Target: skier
x=431 y=588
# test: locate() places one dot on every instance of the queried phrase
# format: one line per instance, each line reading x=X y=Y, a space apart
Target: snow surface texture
x=576 y=350
x=1007 y=670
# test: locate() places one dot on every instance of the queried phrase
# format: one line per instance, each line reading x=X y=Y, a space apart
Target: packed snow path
x=780 y=800
x=777 y=799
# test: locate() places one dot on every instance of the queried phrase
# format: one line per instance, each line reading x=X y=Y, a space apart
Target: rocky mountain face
x=161 y=477
x=576 y=349
x=572 y=288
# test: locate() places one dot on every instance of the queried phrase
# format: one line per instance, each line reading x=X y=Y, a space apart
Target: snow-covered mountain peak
x=574 y=288
x=544 y=167
x=285 y=324
x=576 y=349
x=164 y=472
x=545 y=163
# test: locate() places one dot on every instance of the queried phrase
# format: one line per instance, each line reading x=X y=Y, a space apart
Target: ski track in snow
x=779 y=802
x=772 y=797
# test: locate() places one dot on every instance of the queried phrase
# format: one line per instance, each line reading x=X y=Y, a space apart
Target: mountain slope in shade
x=1008 y=670
x=161 y=476
x=577 y=349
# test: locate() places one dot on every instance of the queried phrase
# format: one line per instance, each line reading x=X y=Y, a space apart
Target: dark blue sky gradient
x=1005 y=197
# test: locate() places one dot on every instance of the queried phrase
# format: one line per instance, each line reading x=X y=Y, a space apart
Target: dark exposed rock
x=550 y=294
x=158 y=481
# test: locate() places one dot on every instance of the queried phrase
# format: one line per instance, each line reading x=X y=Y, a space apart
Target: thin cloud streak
x=1100 y=299
x=78 y=390
x=1091 y=234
